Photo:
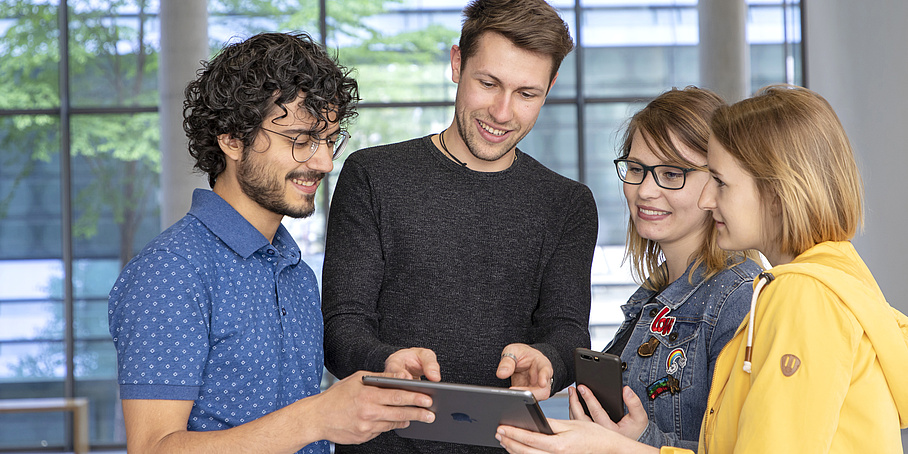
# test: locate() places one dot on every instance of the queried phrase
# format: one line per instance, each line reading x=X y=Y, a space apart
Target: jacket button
x=653 y=312
x=672 y=337
x=623 y=366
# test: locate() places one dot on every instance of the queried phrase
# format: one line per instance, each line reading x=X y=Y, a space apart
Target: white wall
x=857 y=59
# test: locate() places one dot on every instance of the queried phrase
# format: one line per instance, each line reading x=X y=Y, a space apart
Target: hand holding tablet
x=468 y=414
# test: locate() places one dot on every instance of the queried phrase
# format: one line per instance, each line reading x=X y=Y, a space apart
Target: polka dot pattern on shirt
x=194 y=320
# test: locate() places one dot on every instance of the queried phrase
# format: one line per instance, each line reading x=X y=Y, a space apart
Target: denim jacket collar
x=673 y=296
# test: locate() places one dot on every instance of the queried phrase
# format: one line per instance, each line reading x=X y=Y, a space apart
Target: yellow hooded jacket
x=829 y=365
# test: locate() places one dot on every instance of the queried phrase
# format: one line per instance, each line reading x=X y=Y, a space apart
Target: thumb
x=634 y=407
x=506 y=367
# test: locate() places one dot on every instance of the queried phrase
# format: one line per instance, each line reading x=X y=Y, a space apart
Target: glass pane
x=29 y=47
x=115 y=191
x=638 y=49
x=604 y=123
x=774 y=33
x=233 y=20
x=401 y=52
x=566 y=83
x=638 y=71
x=91 y=318
x=116 y=165
x=29 y=187
x=27 y=318
x=31 y=362
x=383 y=125
x=553 y=140
x=113 y=52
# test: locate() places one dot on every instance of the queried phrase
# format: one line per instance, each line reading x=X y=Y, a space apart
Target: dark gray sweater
x=422 y=252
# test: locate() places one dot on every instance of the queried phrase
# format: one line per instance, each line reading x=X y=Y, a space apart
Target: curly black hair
x=236 y=90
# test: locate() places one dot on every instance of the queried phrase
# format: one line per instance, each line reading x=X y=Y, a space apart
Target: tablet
x=468 y=414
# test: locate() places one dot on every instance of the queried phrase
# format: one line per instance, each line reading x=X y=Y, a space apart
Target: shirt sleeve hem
x=162 y=392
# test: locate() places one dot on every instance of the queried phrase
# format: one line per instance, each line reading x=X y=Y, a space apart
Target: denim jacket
x=670 y=356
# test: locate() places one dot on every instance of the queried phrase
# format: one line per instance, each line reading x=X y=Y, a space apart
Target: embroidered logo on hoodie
x=790 y=364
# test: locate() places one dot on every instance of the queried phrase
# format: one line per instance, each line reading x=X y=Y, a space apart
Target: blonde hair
x=792 y=142
x=682 y=117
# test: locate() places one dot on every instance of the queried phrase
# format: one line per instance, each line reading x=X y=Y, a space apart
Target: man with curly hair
x=217 y=321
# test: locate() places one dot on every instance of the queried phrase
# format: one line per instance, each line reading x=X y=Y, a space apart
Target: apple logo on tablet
x=462 y=417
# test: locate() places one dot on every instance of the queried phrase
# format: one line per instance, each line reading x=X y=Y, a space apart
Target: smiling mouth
x=653 y=212
x=491 y=130
x=306 y=183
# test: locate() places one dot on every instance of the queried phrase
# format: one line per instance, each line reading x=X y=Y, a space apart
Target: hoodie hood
x=886 y=327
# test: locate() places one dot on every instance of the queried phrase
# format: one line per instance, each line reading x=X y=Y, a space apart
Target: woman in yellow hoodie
x=821 y=363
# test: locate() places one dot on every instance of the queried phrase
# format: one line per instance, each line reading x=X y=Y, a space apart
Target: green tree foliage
x=112 y=64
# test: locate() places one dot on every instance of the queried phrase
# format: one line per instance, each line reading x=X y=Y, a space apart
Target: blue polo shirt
x=210 y=311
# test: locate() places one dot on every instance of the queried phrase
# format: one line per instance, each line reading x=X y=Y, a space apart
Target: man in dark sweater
x=456 y=256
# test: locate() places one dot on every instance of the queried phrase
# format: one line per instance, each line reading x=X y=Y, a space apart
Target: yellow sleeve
x=803 y=352
x=673 y=450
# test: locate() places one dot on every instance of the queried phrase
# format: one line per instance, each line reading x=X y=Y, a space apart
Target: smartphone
x=601 y=373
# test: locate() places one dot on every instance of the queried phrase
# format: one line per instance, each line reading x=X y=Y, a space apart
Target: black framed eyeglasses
x=668 y=177
x=304 y=150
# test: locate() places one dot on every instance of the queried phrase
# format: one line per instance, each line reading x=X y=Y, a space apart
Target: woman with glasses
x=693 y=295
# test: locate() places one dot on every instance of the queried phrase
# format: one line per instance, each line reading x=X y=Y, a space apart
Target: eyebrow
x=310 y=132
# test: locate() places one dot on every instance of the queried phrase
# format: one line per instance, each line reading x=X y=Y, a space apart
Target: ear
x=455 y=64
x=231 y=146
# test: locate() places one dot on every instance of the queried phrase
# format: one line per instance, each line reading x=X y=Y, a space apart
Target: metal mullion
x=323 y=39
x=66 y=215
x=578 y=95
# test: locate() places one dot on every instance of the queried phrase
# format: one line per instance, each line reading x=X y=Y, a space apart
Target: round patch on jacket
x=790 y=364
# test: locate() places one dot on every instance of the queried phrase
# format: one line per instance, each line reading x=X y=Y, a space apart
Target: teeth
x=497 y=132
x=304 y=182
x=653 y=212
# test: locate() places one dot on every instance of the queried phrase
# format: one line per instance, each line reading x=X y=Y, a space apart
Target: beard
x=268 y=192
x=479 y=148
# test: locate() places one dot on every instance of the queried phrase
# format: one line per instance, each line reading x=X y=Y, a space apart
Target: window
x=79 y=154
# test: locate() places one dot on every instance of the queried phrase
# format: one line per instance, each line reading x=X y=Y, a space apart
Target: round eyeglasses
x=304 y=150
x=668 y=177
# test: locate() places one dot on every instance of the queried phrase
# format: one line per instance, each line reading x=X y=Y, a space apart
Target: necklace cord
x=441 y=139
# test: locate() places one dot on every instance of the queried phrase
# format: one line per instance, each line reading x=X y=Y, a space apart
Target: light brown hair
x=531 y=25
x=791 y=141
x=676 y=117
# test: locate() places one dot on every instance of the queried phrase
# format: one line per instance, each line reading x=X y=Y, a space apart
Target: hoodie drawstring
x=765 y=278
